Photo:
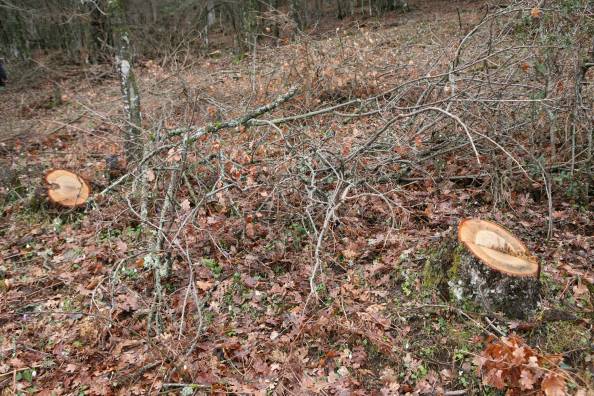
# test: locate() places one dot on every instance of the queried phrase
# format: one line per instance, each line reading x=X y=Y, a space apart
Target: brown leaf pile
x=508 y=363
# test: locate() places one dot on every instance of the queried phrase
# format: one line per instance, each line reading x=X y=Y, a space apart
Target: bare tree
x=129 y=86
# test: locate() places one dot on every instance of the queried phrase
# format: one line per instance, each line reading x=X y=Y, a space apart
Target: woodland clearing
x=299 y=242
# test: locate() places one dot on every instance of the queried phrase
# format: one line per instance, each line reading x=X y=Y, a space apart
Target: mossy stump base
x=488 y=266
x=516 y=297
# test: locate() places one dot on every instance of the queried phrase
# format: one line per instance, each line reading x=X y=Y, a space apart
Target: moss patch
x=437 y=267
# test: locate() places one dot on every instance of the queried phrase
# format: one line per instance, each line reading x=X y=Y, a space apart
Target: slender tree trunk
x=130 y=92
x=154 y=11
x=210 y=10
x=299 y=13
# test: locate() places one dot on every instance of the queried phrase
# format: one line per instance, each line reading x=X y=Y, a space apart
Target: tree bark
x=210 y=16
x=462 y=278
x=516 y=297
x=129 y=86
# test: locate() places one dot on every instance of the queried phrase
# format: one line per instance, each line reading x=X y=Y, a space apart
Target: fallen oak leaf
x=527 y=380
x=536 y=12
x=553 y=385
x=127 y=302
x=204 y=286
x=121 y=246
x=16 y=363
x=185 y=205
x=494 y=377
x=249 y=281
x=518 y=354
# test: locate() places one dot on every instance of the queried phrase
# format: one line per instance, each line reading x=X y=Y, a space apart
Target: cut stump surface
x=497 y=248
x=66 y=188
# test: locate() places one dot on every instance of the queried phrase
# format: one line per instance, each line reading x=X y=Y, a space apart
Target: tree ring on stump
x=495 y=269
x=66 y=188
x=497 y=248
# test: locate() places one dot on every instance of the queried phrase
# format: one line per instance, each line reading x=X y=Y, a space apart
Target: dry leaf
x=536 y=12
x=494 y=378
x=150 y=175
x=127 y=302
x=527 y=379
x=16 y=363
x=553 y=385
x=349 y=254
x=418 y=142
x=121 y=246
x=204 y=286
x=518 y=354
x=173 y=155
x=250 y=231
x=185 y=205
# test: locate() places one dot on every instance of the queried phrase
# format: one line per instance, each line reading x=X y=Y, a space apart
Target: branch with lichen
x=245 y=119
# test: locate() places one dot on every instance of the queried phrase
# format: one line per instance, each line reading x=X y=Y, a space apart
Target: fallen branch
x=211 y=128
x=243 y=120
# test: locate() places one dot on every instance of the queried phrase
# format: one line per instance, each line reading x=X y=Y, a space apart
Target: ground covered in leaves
x=241 y=313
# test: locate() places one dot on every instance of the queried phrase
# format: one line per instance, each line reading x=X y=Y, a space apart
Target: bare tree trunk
x=210 y=16
x=154 y=11
x=130 y=92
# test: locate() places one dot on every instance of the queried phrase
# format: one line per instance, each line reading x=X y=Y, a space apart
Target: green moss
x=213 y=266
x=564 y=336
x=432 y=275
x=454 y=269
x=32 y=216
x=438 y=267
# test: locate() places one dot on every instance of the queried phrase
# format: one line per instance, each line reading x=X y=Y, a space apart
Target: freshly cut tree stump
x=66 y=188
x=488 y=266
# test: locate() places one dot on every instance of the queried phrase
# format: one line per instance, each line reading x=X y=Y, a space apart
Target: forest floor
x=239 y=316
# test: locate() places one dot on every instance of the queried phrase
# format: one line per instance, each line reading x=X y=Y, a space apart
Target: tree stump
x=489 y=266
x=66 y=188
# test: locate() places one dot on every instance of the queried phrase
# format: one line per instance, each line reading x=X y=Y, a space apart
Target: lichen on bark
x=516 y=297
x=129 y=86
x=462 y=278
